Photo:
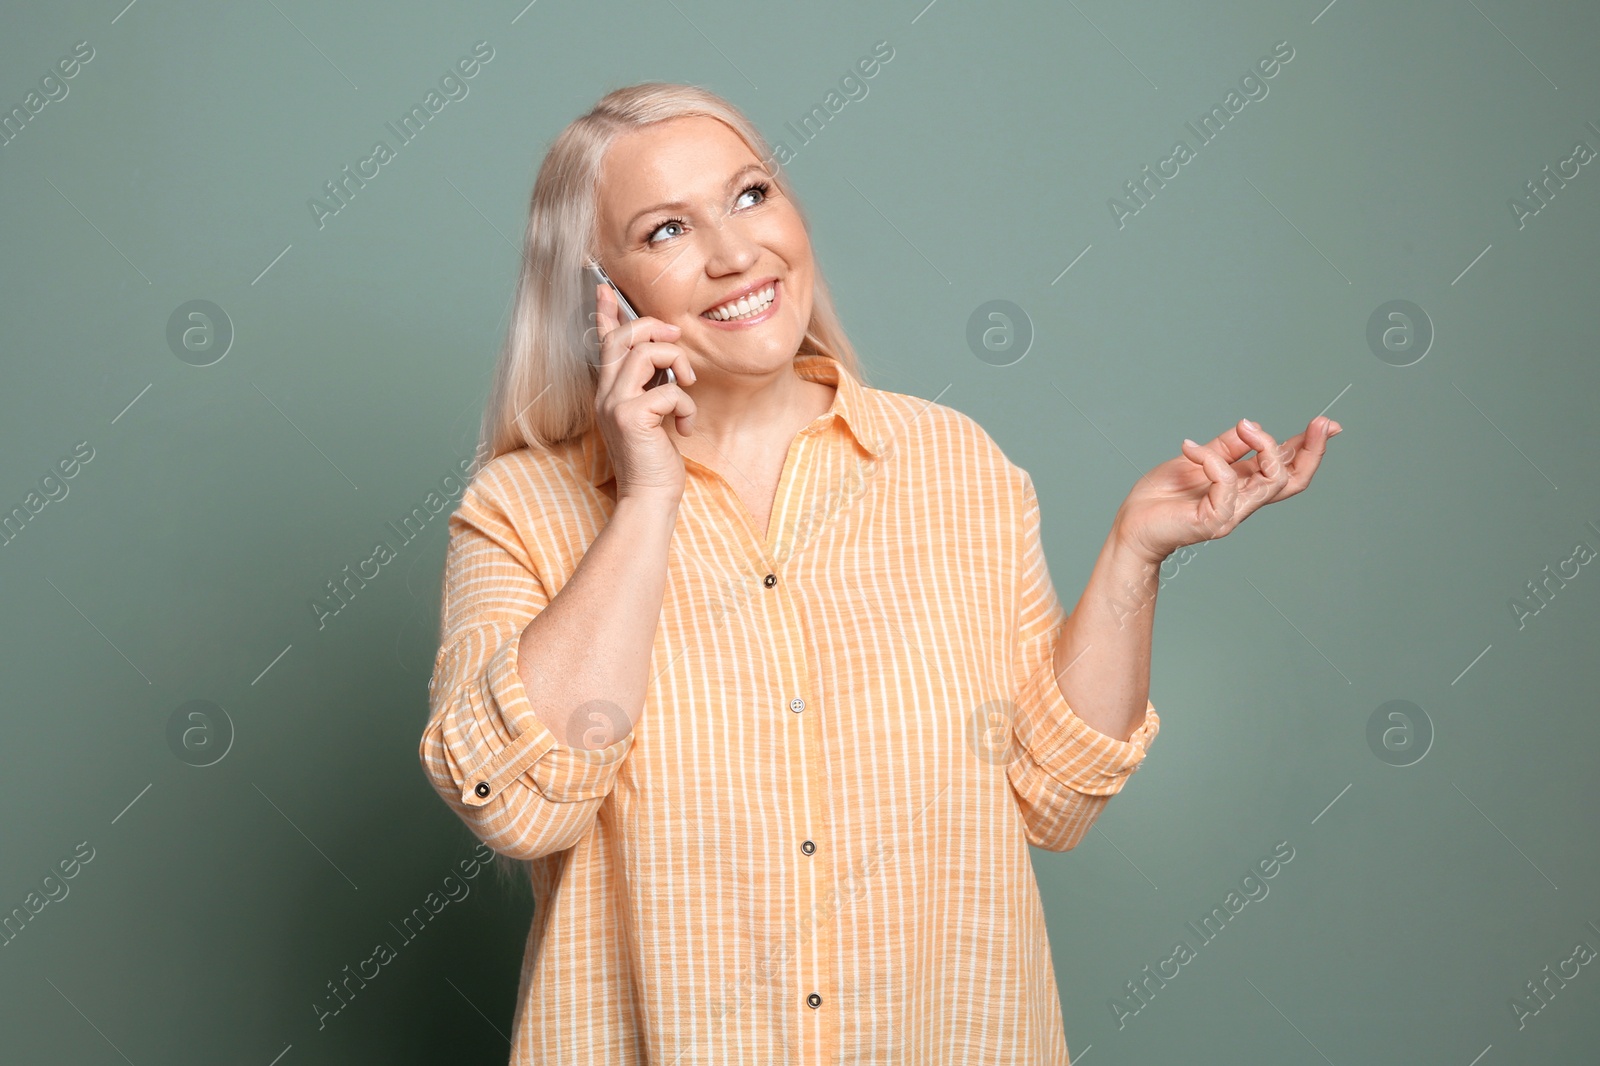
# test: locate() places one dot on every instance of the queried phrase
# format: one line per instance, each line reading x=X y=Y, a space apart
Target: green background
x=219 y=500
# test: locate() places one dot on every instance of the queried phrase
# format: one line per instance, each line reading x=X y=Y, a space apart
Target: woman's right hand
x=645 y=460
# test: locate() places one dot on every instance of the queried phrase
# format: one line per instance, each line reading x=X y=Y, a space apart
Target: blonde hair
x=544 y=384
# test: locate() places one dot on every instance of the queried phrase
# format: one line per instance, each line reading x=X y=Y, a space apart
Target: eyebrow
x=678 y=205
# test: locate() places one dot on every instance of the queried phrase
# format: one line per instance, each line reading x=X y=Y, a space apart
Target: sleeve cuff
x=1074 y=752
x=560 y=772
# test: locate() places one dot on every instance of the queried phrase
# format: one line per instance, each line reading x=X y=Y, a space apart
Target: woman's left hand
x=1208 y=490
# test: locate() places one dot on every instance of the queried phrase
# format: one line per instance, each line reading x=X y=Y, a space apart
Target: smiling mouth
x=744 y=307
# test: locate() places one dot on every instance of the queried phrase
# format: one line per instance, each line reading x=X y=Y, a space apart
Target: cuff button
x=482 y=791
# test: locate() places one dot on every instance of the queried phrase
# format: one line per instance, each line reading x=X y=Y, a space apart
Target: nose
x=729 y=248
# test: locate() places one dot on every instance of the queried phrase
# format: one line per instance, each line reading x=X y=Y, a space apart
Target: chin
x=749 y=356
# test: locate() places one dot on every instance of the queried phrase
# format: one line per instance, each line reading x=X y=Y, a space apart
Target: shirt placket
x=813 y=932
x=811 y=937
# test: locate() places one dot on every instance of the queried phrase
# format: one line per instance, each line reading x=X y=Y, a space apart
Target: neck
x=737 y=411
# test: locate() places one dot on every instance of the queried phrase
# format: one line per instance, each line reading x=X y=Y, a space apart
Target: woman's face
x=684 y=224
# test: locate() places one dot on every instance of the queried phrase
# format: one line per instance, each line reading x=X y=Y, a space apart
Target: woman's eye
x=665 y=225
x=760 y=188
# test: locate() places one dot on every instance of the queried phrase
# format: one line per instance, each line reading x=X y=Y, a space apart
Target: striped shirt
x=811 y=846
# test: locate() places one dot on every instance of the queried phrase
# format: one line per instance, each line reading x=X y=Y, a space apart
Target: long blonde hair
x=544 y=384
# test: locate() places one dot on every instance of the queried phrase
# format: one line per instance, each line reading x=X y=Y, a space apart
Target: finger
x=1222 y=496
x=655 y=405
x=1230 y=444
x=605 y=304
x=682 y=368
x=1304 y=452
x=1269 y=460
x=1309 y=457
x=646 y=359
x=605 y=314
x=1321 y=428
x=1239 y=440
x=641 y=332
x=1264 y=479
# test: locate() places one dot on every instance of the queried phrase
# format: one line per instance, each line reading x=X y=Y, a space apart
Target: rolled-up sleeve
x=1065 y=771
x=488 y=755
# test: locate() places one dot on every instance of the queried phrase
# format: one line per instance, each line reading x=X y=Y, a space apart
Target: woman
x=761 y=673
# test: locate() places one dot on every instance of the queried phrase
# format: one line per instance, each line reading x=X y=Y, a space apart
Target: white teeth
x=744 y=306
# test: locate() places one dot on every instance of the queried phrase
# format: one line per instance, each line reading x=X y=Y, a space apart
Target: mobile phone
x=594 y=274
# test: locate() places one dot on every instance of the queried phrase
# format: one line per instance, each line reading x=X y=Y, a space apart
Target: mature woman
x=761 y=673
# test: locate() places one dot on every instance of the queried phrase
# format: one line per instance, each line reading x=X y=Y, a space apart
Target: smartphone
x=594 y=274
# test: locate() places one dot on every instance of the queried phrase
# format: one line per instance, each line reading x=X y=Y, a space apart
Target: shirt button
x=482 y=791
x=814 y=1001
x=770 y=580
x=808 y=847
x=797 y=705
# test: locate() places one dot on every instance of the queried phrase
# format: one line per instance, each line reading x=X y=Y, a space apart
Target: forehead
x=676 y=159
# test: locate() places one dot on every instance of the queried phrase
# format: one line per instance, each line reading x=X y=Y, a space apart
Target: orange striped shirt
x=811 y=846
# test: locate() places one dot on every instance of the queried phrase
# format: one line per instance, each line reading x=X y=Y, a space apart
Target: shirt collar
x=854 y=404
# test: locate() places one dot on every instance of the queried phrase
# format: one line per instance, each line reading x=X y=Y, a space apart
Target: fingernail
x=1249 y=424
x=1190 y=443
